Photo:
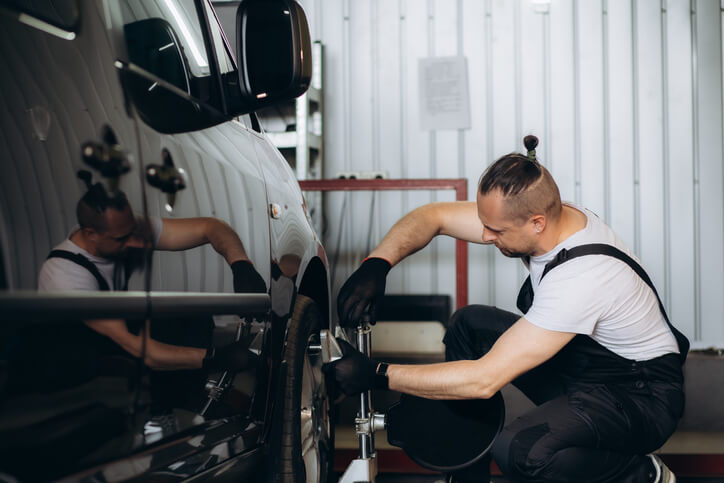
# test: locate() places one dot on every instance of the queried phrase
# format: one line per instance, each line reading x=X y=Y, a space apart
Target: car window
x=223 y=57
x=168 y=39
x=182 y=17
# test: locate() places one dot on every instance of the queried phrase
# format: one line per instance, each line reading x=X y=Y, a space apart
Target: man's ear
x=89 y=234
x=539 y=223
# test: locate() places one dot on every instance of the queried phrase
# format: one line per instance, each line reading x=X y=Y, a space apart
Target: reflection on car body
x=192 y=366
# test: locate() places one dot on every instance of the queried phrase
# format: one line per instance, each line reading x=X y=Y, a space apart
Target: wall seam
x=518 y=75
x=346 y=88
x=666 y=152
x=432 y=155
x=375 y=101
x=576 y=107
x=403 y=117
x=518 y=79
x=461 y=132
x=636 y=134
x=460 y=53
x=721 y=106
x=606 y=115
x=695 y=154
x=547 y=90
x=489 y=114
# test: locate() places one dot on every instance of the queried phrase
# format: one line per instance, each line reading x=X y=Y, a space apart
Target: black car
x=164 y=298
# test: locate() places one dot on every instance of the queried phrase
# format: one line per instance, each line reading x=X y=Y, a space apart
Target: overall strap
x=602 y=249
x=83 y=262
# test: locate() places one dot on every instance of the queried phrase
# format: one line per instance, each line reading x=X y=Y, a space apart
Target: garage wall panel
x=443 y=17
x=563 y=134
x=476 y=48
x=388 y=50
x=679 y=145
x=532 y=77
x=592 y=182
x=650 y=145
x=708 y=159
x=620 y=120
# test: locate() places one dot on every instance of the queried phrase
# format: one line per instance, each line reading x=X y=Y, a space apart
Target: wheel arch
x=315 y=285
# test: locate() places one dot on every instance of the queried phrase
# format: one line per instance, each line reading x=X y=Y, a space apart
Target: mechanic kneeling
x=594 y=351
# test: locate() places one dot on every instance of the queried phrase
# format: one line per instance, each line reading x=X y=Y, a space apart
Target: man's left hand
x=246 y=278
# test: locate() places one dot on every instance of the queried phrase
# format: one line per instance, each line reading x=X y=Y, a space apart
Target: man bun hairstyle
x=91 y=208
x=526 y=185
x=530 y=143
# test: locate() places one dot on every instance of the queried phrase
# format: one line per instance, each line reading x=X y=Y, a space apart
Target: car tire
x=303 y=442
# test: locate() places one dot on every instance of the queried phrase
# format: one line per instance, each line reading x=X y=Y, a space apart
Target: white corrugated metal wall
x=626 y=97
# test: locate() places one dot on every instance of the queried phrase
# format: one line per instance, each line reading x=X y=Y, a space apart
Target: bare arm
x=159 y=356
x=520 y=349
x=185 y=233
x=458 y=219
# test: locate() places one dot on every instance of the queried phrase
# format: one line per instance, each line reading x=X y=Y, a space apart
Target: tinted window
x=165 y=38
x=182 y=17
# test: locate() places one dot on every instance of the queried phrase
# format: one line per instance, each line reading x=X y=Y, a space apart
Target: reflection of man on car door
x=100 y=254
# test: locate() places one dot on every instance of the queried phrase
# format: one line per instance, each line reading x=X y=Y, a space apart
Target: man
x=594 y=350
x=97 y=255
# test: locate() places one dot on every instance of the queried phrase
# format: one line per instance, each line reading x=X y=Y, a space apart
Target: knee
x=458 y=338
x=471 y=332
x=512 y=453
x=501 y=451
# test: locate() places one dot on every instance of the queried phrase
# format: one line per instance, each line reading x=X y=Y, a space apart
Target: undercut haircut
x=91 y=208
x=527 y=187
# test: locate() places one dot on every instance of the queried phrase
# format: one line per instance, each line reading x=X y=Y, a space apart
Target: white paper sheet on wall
x=444 y=98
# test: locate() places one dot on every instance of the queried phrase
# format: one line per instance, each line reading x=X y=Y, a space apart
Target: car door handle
x=167 y=177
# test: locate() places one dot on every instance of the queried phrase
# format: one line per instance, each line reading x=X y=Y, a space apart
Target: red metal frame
x=460 y=185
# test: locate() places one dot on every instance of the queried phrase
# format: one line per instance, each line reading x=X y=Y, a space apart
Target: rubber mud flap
x=445 y=435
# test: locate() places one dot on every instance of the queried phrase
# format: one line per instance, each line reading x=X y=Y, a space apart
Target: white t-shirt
x=599 y=296
x=60 y=274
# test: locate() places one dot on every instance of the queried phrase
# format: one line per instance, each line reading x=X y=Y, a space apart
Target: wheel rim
x=314 y=413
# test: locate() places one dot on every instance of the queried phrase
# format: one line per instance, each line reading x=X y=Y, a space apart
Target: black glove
x=361 y=292
x=235 y=357
x=355 y=372
x=246 y=278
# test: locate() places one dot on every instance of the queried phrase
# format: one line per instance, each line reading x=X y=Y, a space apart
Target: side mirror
x=158 y=81
x=273 y=51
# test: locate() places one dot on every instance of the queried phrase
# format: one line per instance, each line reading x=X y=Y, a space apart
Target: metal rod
x=364 y=344
x=31 y=306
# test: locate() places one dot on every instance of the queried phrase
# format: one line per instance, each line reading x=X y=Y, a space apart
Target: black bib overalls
x=598 y=414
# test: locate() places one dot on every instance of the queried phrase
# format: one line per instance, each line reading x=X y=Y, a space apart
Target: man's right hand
x=361 y=292
x=354 y=372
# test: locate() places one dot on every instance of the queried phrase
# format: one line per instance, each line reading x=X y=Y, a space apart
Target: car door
x=68 y=394
x=206 y=192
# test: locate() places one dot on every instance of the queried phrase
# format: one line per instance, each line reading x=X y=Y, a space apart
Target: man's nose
x=488 y=236
x=134 y=242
